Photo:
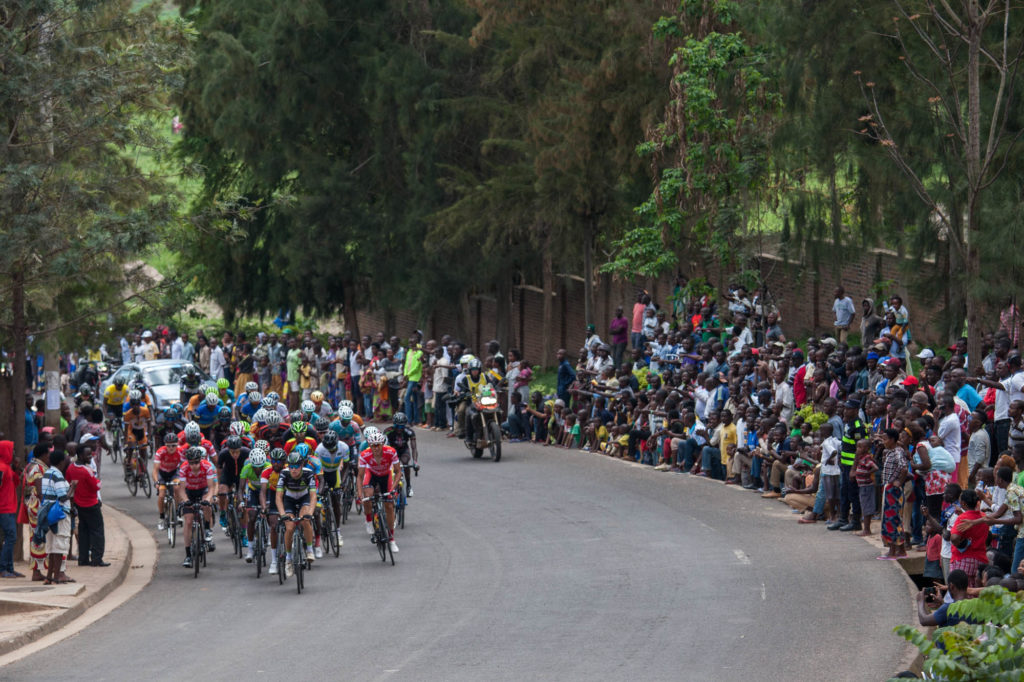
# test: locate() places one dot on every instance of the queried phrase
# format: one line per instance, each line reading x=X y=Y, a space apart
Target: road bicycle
x=260 y=540
x=234 y=527
x=198 y=534
x=328 y=523
x=348 y=492
x=170 y=511
x=381 y=537
x=401 y=499
x=115 y=437
x=136 y=470
x=281 y=550
x=299 y=563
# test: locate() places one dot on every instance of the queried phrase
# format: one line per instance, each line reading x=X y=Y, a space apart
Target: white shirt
x=217 y=363
x=700 y=397
x=1015 y=386
x=139 y=351
x=784 y=397
x=947 y=546
x=176 y=348
x=745 y=338
x=830 y=453
x=1002 y=406
x=949 y=432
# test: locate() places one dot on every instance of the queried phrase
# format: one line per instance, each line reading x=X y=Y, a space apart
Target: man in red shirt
x=8 y=511
x=87 y=503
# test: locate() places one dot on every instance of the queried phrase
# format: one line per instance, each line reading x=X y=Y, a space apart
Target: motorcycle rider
x=189 y=384
x=468 y=389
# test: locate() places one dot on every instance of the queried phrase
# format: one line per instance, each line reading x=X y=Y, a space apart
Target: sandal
x=47 y=581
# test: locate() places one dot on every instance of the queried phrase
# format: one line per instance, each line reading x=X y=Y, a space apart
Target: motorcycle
x=486 y=425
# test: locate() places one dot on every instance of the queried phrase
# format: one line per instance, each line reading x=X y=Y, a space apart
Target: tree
x=80 y=81
x=965 y=62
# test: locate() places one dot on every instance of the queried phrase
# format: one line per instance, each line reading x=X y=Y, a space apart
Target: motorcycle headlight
x=488 y=401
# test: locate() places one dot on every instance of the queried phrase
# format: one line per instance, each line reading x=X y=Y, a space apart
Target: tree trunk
x=589 y=228
x=973 y=160
x=19 y=352
x=548 y=276
x=349 y=312
x=503 y=309
x=462 y=319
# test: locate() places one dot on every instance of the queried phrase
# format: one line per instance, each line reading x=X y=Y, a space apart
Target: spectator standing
x=969 y=539
x=218 y=362
x=619 y=335
x=412 y=370
x=204 y=354
x=871 y=323
x=636 y=330
x=32 y=478
x=176 y=345
x=56 y=489
x=842 y=308
x=188 y=351
x=87 y=505
x=126 y=350
x=31 y=428
x=566 y=375
x=8 y=510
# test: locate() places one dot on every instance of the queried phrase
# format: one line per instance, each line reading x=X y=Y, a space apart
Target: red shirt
x=8 y=483
x=977 y=536
x=87 y=490
x=166 y=460
x=199 y=480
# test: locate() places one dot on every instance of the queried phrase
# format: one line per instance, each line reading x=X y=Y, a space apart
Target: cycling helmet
x=295 y=459
x=224 y=413
x=317 y=397
x=233 y=443
x=321 y=424
x=208 y=387
x=299 y=428
x=260 y=416
x=269 y=403
x=376 y=438
x=170 y=413
x=176 y=408
x=223 y=384
x=119 y=382
x=330 y=439
x=254 y=397
x=251 y=386
x=308 y=406
x=466 y=359
x=261 y=445
x=273 y=419
x=345 y=403
x=170 y=439
x=302 y=450
x=212 y=400
x=277 y=455
x=134 y=397
x=237 y=429
x=368 y=430
x=194 y=454
x=345 y=413
x=400 y=419
x=257 y=458
x=85 y=389
x=275 y=396
x=193 y=433
x=189 y=369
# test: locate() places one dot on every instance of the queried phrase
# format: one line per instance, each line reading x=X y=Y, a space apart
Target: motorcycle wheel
x=495 y=438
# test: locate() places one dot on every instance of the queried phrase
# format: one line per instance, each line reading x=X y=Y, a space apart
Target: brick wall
x=804 y=302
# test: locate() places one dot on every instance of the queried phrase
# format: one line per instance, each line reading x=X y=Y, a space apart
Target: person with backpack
x=55 y=517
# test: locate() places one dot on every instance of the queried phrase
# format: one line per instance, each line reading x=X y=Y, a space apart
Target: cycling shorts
x=253 y=498
x=332 y=479
x=196 y=495
x=112 y=410
x=378 y=483
x=293 y=505
x=166 y=477
x=140 y=436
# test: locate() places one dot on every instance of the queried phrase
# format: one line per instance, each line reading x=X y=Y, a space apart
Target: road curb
x=11 y=647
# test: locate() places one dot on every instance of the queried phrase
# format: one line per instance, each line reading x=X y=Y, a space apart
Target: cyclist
x=281 y=408
x=333 y=455
x=403 y=440
x=296 y=499
x=192 y=436
x=301 y=433
x=241 y=429
x=199 y=478
x=189 y=383
x=321 y=425
x=308 y=409
x=224 y=392
x=312 y=461
x=247 y=404
x=173 y=420
x=274 y=431
x=114 y=397
x=136 y=419
x=352 y=408
x=230 y=461
x=321 y=406
x=222 y=429
x=85 y=395
x=197 y=399
x=379 y=469
x=207 y=413
x=251 y=475
x=268 y=481
x=345 y=426
x=166 y=463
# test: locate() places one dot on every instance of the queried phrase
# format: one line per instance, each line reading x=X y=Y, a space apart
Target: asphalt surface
x=550 y=564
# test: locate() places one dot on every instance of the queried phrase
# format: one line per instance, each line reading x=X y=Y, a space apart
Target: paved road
x=549 y=564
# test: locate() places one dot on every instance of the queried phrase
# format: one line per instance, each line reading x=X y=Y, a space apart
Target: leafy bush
x=989 y=651
x=815 y=419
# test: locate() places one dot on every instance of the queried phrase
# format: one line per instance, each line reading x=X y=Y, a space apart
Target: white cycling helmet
x=254 y=396
x=345 y=403
x=251 y=386
x=237 y=429
x=261 y=445
x=257 y=458
x=193 y=433
x=376 y=438
x=212 y=400
x=260 y=416
x=275 y=396
x=269 y=403
x=134 y=395
x=273 y=418
x=308 y=406
x=345 y=413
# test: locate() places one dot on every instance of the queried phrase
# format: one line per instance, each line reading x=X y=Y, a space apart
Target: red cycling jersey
x=375 y=467
x=211 y=452
x=290 y=445
x=166 y=460
x=198 y=480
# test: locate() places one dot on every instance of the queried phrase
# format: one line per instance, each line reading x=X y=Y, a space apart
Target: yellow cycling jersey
x=113 y=396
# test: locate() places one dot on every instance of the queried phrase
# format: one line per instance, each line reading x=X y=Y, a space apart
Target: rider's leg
x=367 y=504
x=289 y=530
x=389 y=512
x=307 y=525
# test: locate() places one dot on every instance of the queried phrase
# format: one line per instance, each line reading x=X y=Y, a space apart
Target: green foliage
x=990 y=650
x=810 y=416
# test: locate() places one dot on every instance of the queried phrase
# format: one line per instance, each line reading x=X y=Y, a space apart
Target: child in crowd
x=864 y=469
x=570 y=431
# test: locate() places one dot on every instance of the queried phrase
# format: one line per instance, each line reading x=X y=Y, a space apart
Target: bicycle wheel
x=132 y=479
x=234 y=528
x=390 y=553
x=147 y=485
x=114 y=437
x=298 y=557
x=171 y=509
x=400 y=508
x=197 y=545
x=280 y=554
x=346 y=501
x=494 y=436
x=258 y=547
x=380 y=534
x=331 y=526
